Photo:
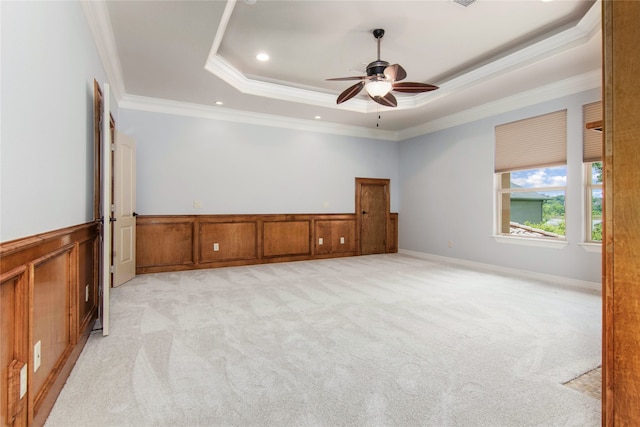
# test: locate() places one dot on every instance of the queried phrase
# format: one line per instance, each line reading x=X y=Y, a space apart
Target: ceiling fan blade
x=348 y=78
x=350 y=92
x=413 y=87
x=388 y=100
x=395 y=72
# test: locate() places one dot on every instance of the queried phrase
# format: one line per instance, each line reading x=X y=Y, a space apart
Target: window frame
x=589 y=186
x=501 y=192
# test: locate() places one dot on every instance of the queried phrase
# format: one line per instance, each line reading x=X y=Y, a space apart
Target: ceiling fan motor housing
x=376 y=68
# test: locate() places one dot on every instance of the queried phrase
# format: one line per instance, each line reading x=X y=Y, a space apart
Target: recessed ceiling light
x=262 y=57
x=318 y=117
x=219 y=102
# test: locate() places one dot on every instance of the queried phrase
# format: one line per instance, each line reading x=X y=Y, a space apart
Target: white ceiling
x=186 y=55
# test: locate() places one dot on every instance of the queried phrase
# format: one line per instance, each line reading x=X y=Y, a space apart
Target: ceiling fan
x=380 y=80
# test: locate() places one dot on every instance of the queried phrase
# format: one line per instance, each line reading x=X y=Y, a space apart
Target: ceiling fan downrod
x=377 y=67
x=378 y=34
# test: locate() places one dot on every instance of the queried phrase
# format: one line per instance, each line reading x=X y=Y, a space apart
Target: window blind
x=530 y=143
x=591 y=139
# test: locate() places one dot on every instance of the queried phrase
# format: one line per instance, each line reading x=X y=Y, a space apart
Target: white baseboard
x=564 y=281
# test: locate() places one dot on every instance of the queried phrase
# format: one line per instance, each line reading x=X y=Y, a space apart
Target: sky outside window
x=542 y=177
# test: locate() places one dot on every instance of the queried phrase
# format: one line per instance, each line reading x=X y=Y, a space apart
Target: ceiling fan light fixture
x=376 y=88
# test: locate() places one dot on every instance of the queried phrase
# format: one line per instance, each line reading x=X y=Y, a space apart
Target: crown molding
x=156 y=105
x=580 y=83
x=582 y=32
x=576 y=84
x=97 y=17
x=578 y=34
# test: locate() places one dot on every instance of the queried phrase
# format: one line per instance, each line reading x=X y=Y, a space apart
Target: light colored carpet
x=364 y=341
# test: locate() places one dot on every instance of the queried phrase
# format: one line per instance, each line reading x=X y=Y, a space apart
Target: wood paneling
x=242 y=239
x=392 y=240
x=165 y=242
x=286 y=238
x=234 y=240
x=51 y=318
x=331 y=232
x=41 y=281
x=621 y=238
x=13 y=345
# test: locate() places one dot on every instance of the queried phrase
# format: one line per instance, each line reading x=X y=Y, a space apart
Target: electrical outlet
x=216 y=247
x=37 y=354
x=342 y=240
x=86 y=293
x=320 y=241
x=197 y=204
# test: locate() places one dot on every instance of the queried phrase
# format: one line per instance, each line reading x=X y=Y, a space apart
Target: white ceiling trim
x=156 y=105
x=576 y=84
x=99 y=22
x=586 y=81
x=218 y=66
x=579 y=34
x=97 y=17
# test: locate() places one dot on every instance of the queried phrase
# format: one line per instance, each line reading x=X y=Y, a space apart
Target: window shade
x=591 y=139
x=535 y=142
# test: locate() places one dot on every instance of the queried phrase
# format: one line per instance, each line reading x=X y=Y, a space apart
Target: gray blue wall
x=48 y=65
x=447 y=194
x=442 y=182
x=238 y=168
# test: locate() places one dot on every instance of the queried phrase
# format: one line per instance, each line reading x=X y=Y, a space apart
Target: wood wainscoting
x=48 y=296
x=188 y=242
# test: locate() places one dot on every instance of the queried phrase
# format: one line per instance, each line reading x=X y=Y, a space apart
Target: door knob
x=135 y=214
x=364 y=212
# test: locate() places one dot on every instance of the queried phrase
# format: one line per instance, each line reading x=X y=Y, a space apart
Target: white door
x=124 y=192
x=105 y=264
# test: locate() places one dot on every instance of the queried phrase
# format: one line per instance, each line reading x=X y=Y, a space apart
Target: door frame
x=104 y=127
x=386 y=182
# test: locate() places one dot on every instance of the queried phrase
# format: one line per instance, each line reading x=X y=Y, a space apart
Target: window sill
x=530 y=241
x=591 y=247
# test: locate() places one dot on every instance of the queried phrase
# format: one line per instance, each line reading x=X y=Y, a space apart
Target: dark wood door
x=372 y=203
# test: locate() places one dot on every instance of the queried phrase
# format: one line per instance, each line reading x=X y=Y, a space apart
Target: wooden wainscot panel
x=40 y=302
x=338 y=236
x=286 y=238
x=228 y=241
x=164 y=241
x=322 y=234
x=13 y=346
x=392 y=239
x=52 y=330
x=344 y=236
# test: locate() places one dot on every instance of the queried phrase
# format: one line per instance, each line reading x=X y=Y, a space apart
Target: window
x=592 y=158
x=531 y=174
x=532 y=202
x=594 y=202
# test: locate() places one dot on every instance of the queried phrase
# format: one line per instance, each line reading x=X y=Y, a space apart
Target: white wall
x=447 y=194
x=238 y=168
x=49 y=62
